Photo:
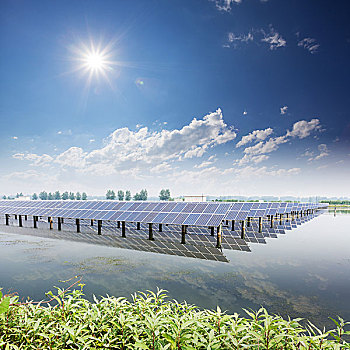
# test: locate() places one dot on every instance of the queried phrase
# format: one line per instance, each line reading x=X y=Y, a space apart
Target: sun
x=95 y=61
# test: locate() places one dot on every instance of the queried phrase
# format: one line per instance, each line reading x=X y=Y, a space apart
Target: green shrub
x=150 y=321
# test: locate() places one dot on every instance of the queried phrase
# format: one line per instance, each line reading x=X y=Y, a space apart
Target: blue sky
x=226 y=97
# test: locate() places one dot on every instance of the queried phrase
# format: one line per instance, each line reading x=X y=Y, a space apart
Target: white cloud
x=274 y=39
x=250 y=171
x=269 y=146
x=309 y=44
x=303 y=128
x=23 y=175
x=257 y=153
x=160 y=168
x=251 y=159
x=324 y=152
x=256 y=135
x=234 y=40
x=225 y=5
x=35 y=159
x=125 y=148
x=15 y=137
x=284 y=110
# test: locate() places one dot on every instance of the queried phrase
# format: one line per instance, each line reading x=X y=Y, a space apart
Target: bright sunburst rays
x=95 y=61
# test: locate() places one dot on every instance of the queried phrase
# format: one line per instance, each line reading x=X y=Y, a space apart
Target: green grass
x=150 y=321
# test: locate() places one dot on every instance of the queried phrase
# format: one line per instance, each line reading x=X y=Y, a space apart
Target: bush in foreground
x=150 y=322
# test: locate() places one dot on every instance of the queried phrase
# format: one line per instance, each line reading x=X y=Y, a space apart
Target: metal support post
x=150 y=232
x=233 y=225
x=51 y=223
x=99 y=227
x=118 y=224
x=248 y=221
x=218 y=236
x=260 y=225
x=77 y=221
x=212 y=231
x=6 y=219
x=160 y=228
x=92 y=222
x=59 y=225
x=35 y=219
x=243 y=229
x=138 y=226
x=183 y=234
x=123 y=229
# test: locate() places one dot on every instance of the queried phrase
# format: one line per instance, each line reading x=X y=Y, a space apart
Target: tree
x=78 y=196
x=65 y=195
x=127 y=195
x=142 y=196
x=164 y=195
x=57 y=195
x=110 y=194
x=34 y=197
x=3 y=197
x=120 y=195
x=50 y=196
x=84 y=196
x=71 y=196
x=43 y=195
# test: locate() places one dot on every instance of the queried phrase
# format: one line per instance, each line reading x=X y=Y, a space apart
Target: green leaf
x=4 y=305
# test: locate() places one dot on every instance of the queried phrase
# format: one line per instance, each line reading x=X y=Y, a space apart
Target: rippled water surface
x=303 y=273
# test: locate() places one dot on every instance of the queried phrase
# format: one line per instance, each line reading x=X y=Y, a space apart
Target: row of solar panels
x=177 y=213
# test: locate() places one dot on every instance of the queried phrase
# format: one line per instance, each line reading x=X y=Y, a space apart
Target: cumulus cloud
x=35 y=159
x=251 y=159
x=309 y=44
x=323 y=152
x=266 y=147
x=125 y=148
x=274 y=39
x=284 y=110
x=256 y=135
x=257 y=153
x=160 y=168
x=303 y=128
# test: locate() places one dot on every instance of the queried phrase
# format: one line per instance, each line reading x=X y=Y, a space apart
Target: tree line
x=141 y=196
x=58 y=196
x=164 y=195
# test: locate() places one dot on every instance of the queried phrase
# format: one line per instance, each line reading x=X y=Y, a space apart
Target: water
x=304 y=273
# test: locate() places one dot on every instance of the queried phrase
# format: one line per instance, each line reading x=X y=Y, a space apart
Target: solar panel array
x=175 y=213
x=199 y=243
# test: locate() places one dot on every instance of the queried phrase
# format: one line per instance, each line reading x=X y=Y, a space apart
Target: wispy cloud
x=271 y=37
x=284 y=110
x=323 y=152
x=309 y=44
x=225 y=5
x=258 y=152
x=274 y=39
x=234 y=40
x=256 y=135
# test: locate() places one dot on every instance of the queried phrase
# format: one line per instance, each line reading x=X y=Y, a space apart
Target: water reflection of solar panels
x=199 y=220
